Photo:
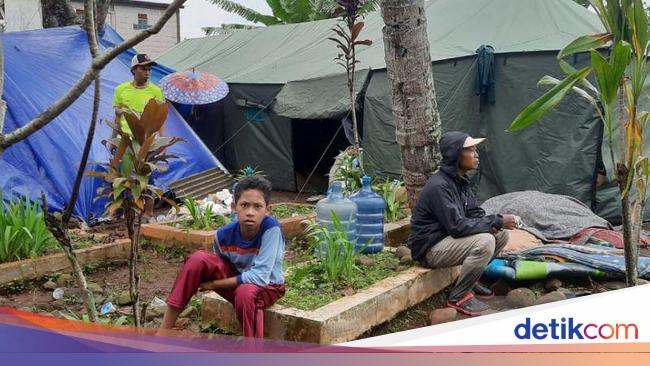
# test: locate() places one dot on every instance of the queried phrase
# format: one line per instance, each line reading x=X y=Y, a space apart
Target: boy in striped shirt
x=245 y=266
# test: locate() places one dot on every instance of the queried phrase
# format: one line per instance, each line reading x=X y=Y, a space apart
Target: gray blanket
x=547 y=216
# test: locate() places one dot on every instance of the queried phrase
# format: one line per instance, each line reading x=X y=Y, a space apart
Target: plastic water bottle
x=370 y=217
x=345 y=210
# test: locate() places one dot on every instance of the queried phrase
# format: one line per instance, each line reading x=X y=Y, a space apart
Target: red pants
x=249 y=299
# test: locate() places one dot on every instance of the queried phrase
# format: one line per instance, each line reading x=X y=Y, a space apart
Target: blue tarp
x=40 y=67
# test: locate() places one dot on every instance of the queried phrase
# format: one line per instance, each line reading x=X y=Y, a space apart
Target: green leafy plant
x=286 y=12
x=308 y=289
x=128 y=174
x=283 y=210
x=394 y=204
x=247 y=172
x=107 y=320
x=336 y=253
x=206 y=219
x=350 y=174
x=620 y=75
x=23 y=231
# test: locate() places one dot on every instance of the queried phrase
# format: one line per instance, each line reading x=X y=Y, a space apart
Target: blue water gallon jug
x=345 y=210
x=370 y=217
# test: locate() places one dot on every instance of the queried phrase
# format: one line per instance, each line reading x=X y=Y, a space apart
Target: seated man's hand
x=208 y=285
x=509 y=222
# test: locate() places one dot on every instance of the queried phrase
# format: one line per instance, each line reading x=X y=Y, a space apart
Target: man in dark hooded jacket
x=449 y=229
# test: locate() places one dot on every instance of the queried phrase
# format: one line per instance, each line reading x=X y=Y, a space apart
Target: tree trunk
x=133 y=222
x=60 y=233
x=630 y=240
x=408 y=62
x=101 y=12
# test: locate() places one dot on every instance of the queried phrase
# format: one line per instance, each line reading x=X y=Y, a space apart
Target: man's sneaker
x=483 y=292
x=469 y=305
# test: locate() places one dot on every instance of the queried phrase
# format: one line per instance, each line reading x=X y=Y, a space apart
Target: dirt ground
x=158 y=269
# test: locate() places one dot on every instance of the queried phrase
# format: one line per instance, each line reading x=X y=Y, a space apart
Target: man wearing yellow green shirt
x=134 y=94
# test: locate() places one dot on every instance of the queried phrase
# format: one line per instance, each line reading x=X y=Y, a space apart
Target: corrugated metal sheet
x=201 y=184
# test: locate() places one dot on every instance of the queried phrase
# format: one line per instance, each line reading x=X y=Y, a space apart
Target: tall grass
x=23 y=232
x=336 y=254
x=394 y=205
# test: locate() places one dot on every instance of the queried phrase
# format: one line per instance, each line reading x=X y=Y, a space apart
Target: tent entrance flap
x=320 y=98
x=315 y=152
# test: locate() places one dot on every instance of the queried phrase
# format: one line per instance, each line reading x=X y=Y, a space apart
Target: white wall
x=122 y=18
x=23 y=15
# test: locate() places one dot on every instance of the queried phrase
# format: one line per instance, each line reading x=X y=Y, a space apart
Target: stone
x=439 y=316
x=189 y=312
x=58 y=303
x=63 y=280
x=569 y=294
x=348 y=291
x=551 y=297
x=501 y=287
x=124 y=298
x=154 y=312
x=50 y=285
x=95 y=288
x=521 y=297
x=402 y=251
x=553 y=284
x=156 y=308
x=406 y=260
x=537 y=288
x=365 y=260
x=614 y=285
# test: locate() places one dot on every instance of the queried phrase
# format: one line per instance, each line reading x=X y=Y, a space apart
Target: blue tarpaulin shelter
x=40 y=67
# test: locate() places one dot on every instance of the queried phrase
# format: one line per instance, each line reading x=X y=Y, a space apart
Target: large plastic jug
x=344 y=209
x=370 y=217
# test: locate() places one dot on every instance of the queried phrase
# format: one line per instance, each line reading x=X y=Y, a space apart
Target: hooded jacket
x=446 y=206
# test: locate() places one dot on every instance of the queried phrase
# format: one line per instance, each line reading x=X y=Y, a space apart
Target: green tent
x=288 y=96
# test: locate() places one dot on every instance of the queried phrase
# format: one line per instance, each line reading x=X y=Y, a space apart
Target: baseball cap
x=470 y=141
x=142 y=59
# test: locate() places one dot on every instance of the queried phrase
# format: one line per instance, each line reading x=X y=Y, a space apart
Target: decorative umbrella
x=193 y=87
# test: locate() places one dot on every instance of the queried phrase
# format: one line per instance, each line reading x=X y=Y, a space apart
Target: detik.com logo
x=568 y=328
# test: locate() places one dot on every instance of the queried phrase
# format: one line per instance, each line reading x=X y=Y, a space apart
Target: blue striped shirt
x=259 y=260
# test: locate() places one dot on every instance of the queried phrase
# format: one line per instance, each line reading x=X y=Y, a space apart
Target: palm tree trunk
x=408 y=62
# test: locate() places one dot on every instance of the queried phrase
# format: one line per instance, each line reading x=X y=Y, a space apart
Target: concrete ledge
x=168 y=235
x=29 y=269
x=396 y=233
x=345 y=319
x=291 y=226
x=202 y=239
